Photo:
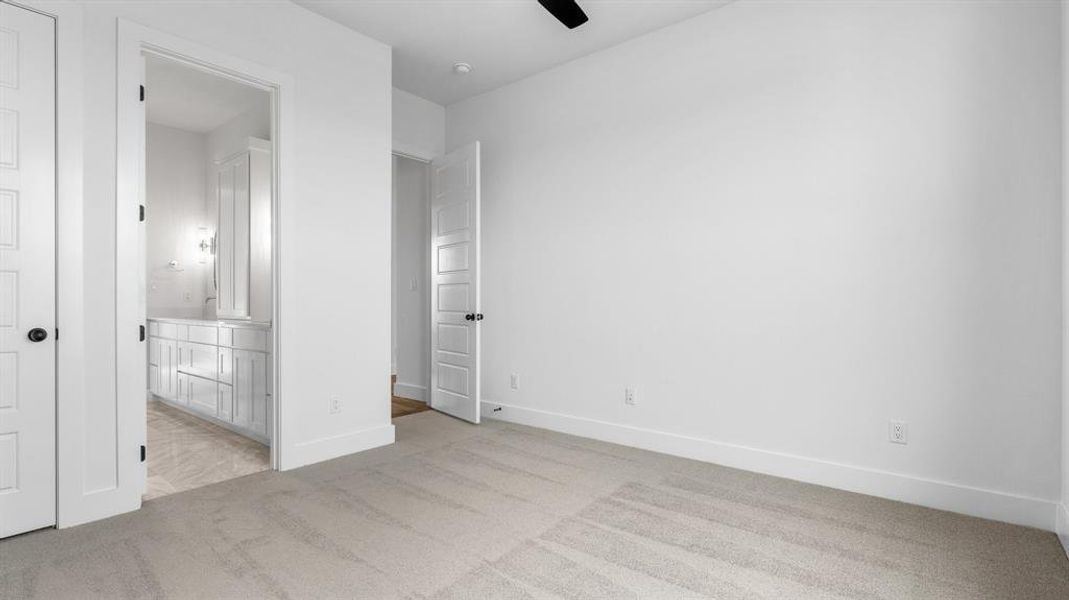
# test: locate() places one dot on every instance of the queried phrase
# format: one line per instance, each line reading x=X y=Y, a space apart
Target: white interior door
x=455 y=304
x=27 y=271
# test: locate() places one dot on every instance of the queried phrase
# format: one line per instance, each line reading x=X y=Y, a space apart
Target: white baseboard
x=977 y=502
x=410 y=391
x=1063 y=526
x=306 y=453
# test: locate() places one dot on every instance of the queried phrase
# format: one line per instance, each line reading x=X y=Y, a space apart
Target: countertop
x=213 y=322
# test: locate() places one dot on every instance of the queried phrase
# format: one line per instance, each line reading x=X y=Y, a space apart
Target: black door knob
x=37 y=335
x=469 y=317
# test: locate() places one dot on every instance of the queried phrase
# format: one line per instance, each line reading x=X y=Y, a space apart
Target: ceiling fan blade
x=566 y=11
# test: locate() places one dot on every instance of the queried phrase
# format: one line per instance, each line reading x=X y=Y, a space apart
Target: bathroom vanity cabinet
x=215 y=369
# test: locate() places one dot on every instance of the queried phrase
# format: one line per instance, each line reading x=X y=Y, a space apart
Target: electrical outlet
x=413 y=283
x=629 y=396
x=898 y=432
x=514 y=381
x=188 y=296
x=335 y=404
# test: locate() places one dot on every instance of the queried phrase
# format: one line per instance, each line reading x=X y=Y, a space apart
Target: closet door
x=232 y=238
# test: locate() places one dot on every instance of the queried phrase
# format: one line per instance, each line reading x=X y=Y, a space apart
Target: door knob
x=473 y=317
x=37 y=334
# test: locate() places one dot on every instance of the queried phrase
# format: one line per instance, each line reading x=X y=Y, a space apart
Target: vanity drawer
x=226 y=336
x=203 y=335
x=248 y=338
x=167 y=330
x=198 y=359
x=153 y=328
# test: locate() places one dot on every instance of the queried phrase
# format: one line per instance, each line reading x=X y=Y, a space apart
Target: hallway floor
x=501 y=511
x=400 y=407
x=185 y=452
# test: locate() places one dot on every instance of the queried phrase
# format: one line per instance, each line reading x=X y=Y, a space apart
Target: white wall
x=232 y=137
x=334 y=231
x=418 y=131
x=418 y=126
x=176 y=208
x=786 y=224
x=411 y=300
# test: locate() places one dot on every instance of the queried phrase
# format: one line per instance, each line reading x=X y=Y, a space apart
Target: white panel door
x=27 y=271
x=455 y=307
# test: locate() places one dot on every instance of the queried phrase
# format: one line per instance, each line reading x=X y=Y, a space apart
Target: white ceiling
x=193 y=100
x=503 y=40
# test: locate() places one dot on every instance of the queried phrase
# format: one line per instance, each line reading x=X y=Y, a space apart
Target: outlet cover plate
x=898 y=432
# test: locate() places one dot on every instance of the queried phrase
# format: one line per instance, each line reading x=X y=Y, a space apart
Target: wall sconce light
x=205 y=245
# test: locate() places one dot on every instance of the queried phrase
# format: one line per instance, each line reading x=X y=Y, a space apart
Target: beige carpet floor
x=501 y=511
x=186 y=453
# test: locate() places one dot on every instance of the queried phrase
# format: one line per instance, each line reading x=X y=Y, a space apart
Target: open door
x=454 y=263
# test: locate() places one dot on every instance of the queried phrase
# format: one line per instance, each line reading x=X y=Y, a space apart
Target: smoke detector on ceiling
x=462 y=68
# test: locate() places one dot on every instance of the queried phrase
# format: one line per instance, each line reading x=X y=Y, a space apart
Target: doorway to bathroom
x=208 y=251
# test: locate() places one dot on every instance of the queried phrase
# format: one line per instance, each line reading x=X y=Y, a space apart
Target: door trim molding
x=134 y=40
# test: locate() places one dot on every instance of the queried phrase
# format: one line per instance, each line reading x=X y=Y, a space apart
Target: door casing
x=134 y=42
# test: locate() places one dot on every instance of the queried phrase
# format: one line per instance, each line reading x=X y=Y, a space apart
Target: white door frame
x=426 y=162
x=133 y=42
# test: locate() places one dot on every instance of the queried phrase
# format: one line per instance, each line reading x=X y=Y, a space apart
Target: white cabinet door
x=154 y=379
x=168 y=369
x=180 y=389
x=154 y=351
x=250 y=390
x=27 y=271
x=455 y=283
x=226 y=365
x=225 y=402
x=232 y=237
x=154 y=364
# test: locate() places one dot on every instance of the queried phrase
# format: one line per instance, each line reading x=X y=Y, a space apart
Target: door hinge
x=57 y=334
x=142 y=93
x=141 y=213
x=143 y=453
x=141 y=332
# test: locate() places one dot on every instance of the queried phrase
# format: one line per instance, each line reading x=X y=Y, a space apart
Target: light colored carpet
x=501 y=511
x=186 y=453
